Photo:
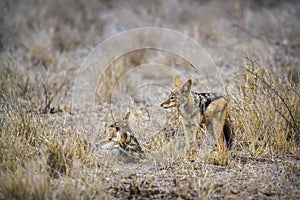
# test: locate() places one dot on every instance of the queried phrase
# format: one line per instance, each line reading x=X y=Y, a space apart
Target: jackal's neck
x=188 y=108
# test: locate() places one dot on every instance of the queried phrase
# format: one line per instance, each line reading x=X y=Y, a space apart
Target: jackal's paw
x=187 y=154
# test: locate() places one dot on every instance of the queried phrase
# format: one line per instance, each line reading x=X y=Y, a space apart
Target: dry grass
x=266 y=113
x=49 y=151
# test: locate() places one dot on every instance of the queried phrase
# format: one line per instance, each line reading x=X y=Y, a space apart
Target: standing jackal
x=210 y=109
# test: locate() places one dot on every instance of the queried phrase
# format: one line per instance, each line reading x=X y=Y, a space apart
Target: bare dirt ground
x=54 y=112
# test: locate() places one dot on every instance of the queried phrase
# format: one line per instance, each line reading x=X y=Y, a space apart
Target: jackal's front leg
x=195 y=142
x=187 y=133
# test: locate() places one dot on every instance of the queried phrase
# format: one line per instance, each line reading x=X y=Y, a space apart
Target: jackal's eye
x=172 y=97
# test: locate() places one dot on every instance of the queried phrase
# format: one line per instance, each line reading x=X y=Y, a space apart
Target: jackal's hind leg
x=217 y=113
x=217 y=125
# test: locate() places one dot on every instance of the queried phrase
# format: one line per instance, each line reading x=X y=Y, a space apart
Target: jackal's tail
x=228 y=130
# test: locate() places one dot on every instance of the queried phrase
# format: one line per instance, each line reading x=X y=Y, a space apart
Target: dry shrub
x=42 y=90
x=266 y=112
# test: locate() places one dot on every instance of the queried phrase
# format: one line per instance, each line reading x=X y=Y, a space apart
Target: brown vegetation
x=48 y=150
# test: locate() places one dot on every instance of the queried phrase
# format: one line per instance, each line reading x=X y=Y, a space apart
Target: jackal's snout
x=165 y=104
x=168 y=103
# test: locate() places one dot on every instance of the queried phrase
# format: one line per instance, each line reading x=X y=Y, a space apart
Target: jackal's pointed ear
x=126 y=116
x=177 y=82
x=186 y=87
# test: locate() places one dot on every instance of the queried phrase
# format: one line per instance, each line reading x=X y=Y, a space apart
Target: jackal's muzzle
x=169 y=103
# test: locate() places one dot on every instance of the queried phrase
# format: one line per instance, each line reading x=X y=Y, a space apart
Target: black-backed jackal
x=194 y=109
x=124 y=137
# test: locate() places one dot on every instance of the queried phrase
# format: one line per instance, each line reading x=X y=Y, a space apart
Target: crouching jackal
x=196 y=109
x=124 y=135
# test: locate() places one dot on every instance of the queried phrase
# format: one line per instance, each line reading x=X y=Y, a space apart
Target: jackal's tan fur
x=124 y=137
x=195 y=109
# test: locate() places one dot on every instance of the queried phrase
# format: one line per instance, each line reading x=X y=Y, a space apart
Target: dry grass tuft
x=62 y=149
x=21 y=135
x=266 y=112
x=32 y=156
x=24 y=185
